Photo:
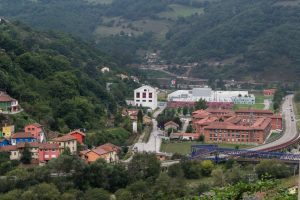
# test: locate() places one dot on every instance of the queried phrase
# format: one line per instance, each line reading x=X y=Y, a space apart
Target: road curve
x=290 y=131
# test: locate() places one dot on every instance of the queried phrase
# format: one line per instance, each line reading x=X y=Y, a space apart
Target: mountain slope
x=57 y=78
x=259 y=38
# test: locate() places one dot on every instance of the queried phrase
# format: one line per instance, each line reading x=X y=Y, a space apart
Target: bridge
x=216 y=153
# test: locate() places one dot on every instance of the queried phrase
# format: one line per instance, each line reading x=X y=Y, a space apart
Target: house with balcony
x=64 y=142
x=8 y=104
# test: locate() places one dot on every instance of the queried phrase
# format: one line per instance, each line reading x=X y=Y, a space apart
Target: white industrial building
x=206 y=93
x=145 y=96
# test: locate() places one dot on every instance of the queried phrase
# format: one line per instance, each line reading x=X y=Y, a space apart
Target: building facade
x=36 y=131
x=21 y=137
x=145 y=96
x=66 y=142
x=8 y=104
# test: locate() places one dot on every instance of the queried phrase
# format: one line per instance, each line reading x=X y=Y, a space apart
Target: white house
x=105 y=69
x=145 y=96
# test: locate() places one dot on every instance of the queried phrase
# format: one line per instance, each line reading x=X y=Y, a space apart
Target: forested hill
x=249 y=39
x=58 y=79
x=239 y=39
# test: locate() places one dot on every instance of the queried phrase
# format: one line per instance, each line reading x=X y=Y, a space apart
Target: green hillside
x=256 y=38
x=237 y=39
x=57 y=78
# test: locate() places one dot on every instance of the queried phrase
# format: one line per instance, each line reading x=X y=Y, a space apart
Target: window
x=150 y=100
x=137 y=95
x=137 y=100
x=150 y=95
x=144 y=100
x=144 y=95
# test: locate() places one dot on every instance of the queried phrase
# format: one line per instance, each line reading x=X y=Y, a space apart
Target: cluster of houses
x=47 y=146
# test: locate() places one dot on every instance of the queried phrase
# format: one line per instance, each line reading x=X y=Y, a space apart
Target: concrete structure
x=247 y=99
x=8 y=104
x=211 y=96
x=185 y=136
x=21 y=137
x=64 y=142
x=36 y=131
x=145 y=96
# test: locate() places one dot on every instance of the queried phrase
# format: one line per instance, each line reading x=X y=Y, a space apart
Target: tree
x=274 y=168
x=140 y=116
x=201 y=104
x=206 y=167
x=26 y=155
x=43 y=191
x=175 y=171
x=96 y=194
x=123 y=194
x=185 y=111
x=189 y=129
x=218 y=177
x=201 y=138
x=143 y=166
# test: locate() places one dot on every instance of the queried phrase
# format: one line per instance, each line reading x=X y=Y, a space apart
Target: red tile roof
x=100 y=151
x=28 y=144
x=206 y=120
x=109 y=147
x=21 y=135
x=171 y=123
x=35 y=124
x=9 y=148
x=64 y=138
x=77 y=131
x=5 y=97
x=48 y=146
x=259 y=124
x=254 y=111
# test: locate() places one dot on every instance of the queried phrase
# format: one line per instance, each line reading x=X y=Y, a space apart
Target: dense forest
x=58 y=80
x=70 y=178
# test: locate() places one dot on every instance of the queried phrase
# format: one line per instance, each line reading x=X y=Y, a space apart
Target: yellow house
x=8 y=131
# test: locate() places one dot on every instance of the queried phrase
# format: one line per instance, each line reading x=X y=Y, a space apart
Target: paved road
x=154 y=143
x=290 y=125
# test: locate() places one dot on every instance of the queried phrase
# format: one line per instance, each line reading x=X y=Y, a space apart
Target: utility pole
x=299 y=182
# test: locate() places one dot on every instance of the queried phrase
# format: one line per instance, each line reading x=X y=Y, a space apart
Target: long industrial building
x=206 y=93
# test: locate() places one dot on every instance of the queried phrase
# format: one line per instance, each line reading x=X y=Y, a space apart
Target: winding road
x=290 y=131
